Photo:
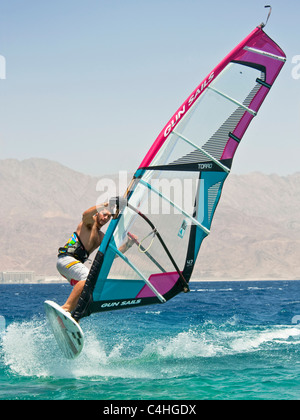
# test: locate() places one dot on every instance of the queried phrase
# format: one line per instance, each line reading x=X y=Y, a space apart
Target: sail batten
x=193 y=220
x=266 y=54
x=233 y=100
x=160 y=297
x=203 y=151
x=172 y=199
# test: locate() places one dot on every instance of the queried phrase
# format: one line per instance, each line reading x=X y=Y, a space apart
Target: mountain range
x=255 y=233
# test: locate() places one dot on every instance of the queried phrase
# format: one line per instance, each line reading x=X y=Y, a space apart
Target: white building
x=17 y=277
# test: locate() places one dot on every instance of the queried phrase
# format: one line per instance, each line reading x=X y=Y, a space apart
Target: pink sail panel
x=247 y=51
x=163 y=282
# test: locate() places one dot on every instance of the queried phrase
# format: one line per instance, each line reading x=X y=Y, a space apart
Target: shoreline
x=191 y=281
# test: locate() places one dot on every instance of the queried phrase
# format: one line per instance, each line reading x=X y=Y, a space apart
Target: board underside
x=66 y=330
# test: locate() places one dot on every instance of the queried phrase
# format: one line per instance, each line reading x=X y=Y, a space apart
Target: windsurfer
x=86 y=239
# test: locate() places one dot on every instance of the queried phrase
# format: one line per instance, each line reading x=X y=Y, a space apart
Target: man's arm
x=128 y=244
x=88 y=216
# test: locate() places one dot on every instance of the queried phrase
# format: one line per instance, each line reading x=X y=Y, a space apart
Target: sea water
x=223 y=340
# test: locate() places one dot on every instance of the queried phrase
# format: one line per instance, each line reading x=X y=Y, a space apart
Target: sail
x=150 y=248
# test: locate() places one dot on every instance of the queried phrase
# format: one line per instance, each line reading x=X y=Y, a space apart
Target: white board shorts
x=72 y=269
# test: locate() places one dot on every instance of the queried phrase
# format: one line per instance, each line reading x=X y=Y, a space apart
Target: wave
x=228 y=289
x=2 y=325
x=28 y=349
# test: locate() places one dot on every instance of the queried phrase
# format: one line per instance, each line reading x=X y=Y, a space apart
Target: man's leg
x=76 y=273
x=72 y=300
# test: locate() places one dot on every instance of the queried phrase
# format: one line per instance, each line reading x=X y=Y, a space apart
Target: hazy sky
x=91 y=83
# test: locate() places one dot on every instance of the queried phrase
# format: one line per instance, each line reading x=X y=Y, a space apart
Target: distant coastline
x=38 y=279
x=28 y=277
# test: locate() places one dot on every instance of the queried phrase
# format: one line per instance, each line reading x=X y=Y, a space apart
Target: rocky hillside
x=255 y=233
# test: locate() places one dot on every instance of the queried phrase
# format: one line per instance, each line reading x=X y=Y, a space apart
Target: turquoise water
x=224 y=340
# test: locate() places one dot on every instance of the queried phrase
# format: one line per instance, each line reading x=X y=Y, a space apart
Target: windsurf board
x=66 y=330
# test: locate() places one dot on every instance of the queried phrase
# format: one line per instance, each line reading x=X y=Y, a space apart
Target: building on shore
x=27 y=277
x=17 y=276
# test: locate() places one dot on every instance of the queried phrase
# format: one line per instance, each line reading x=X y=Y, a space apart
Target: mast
x=270 y=11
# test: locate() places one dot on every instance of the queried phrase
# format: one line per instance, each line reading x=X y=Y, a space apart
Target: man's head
x=103 y=217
